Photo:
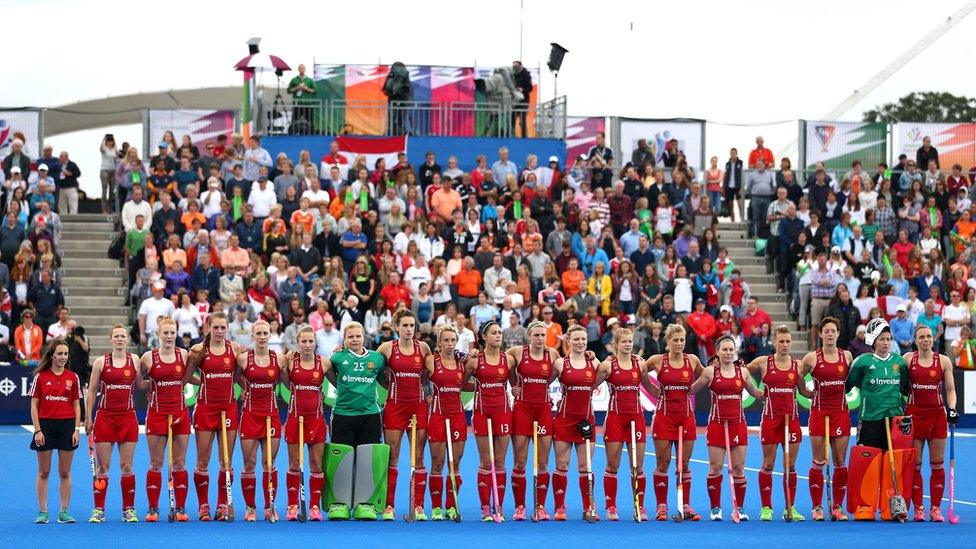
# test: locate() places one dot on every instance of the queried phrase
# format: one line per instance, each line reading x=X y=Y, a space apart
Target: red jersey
x=446 y=386
x=491 y=395
x=780 y=389
x=726 y=396
x=577 y=385
x=624 y=386
x=259 y=387
x=404 y=372
x=927 y=383
x=217 y=376
x=166 y=384
x=829 y=379
x=115 y=385
x=56 y=393
x=533 y=377
x=675 y=386
x=306 y=388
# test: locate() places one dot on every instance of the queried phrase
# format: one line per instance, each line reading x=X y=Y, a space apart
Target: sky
x=743 y=65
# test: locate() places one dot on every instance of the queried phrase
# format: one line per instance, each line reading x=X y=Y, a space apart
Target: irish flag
x=373 y=148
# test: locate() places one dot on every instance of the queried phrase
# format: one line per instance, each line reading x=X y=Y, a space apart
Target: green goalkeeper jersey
x=357 y=382
x=881 y=382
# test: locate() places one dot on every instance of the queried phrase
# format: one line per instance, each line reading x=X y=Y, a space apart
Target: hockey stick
x=896 y=503
x=680 y=515
x=302 y=506
x=788 y=514
x=412 y=511
x=269 y=464
x=586 y=429
x=535 y=470
x=228 y=485
x=633 y=470
x=169 y=457
x=828 y=483
x=497 y=506
x=96 y=483
x=728 y=462
x=450 y=469
x=953 y=517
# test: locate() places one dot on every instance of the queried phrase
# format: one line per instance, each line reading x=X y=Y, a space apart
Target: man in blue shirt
x=354 y=244
x=902 y=329
x=591 y=256
x=502 y=167
x=249 y=231
x=630 y=240
x=642 y=256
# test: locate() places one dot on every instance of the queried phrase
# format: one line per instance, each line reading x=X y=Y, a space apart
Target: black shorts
x=57 y=435
x=872 y=433
x=356 y=430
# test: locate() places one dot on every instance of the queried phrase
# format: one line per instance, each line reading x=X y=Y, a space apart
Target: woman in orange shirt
x=174 y=252
x=572 y=278
x=303 y=215
x=554 y=330
x=192 y=212
x=28 y=340
x=963 y=231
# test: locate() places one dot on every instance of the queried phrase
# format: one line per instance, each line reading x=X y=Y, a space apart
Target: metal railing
x=422 y=118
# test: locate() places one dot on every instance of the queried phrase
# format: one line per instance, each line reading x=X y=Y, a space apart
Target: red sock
x=791 y=479
x=248 y=486
x=201 y=480
x=686 y=484
x=292 y=481
x=542 y=488
x=937 y=485
x=660 y=488
x=181 y=485
x=816 y=484
x=484 y=486
x=419 y=487
x=271 y=476
x=451 y=502
x=100 y=493
x=518 y=486
x=766 y=488
x=559 y=484
x=316 y=483
x=917 y=481
x=128 y=484
x=610 y=489
x=584 y=484
x=154 y=481
x=391 y=480
x=739 y=484
x=500 y=481
x=436 y=484
x=222 y=491
x=840 y=486
x=714 y=484
x=641 y=488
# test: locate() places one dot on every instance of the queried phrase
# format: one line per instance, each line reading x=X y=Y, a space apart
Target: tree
x=925 y=107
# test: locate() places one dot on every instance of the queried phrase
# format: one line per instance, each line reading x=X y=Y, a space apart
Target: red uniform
x=533 y=402
x=115 y=418
x=446 y=404
x=780 y=394
x=56 y=394
x=675 y=408
x=830 y=400
x=625 y=406
x=259 y=398
x=305 y=386
x=166 y=396
x=216 y=390
x=925 y=402
x=577 y=402
x=726 y=408
x=491 y=398
x=406 y=397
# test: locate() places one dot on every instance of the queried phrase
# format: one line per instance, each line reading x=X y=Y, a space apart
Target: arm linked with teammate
x=92 y=393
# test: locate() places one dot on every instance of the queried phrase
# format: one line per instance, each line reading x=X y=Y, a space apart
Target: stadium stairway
x=93 y=284
x=742 y=252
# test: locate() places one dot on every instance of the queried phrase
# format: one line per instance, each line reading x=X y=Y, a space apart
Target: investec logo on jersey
x=875 y=381
x=9 y=386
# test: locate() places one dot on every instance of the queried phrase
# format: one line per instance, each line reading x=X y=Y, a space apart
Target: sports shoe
x=519 y=513
x=559 y=514
x=129 y=515
x=743 y=516
x=222 y=513
x=338 y=511
x=180 y=515
x=97 y=515
x=65 y=518
x=364 y=511
x=690 y=513
x=794 y=515
x=42 y=518
x=592 y=514
x=817 y=514
x=643 y=514
x=486 y=515
x=419 y=514
x=250 y=514
x=612 y=514
x=271 y=514
x=451 y=513
x=865 y=512
x=766 y=514
x=436 y=514
x=315 y=514
x=715 y=513
x=838 y=514
x=661 y=513
x=935 y=514
x=291 y=513
x=204 y=513
x=919 y=513
x=152 y=515
x=389 y=513
x=541 y=514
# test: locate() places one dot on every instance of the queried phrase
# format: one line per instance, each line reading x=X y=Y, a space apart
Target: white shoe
x=715 y=513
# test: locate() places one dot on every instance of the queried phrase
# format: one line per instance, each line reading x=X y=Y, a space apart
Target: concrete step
x=101 y=226
x=93 y=251
x=93 y=272
x=88 y=291
x=100 y=301
x=100 y=311
x=87 y=244
x=72 y=235
x=730 y=234
x=99 y=325
x=103 y=282
x=83 y=218
x=89 y=263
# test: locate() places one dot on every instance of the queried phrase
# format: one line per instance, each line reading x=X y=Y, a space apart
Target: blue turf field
x=18 y=509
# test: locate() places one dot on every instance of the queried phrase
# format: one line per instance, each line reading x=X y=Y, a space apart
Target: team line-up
x=355 y=474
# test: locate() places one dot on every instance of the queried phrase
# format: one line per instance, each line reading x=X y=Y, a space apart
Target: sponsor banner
x=956 y=143
x=689 y=133
x=25 y=122
x=837 y=144
x=581 y=136
x=202 y=126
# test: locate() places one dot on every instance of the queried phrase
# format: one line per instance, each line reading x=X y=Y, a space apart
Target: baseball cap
x=901 y=308
x=15 y=169
x=159 y=285
x=808 y=248
x=42 y=167
x=553 y=158
x=725 y=308
x=241 y=309
x=612 y=321
x=700 y=301
x=163 y=145
x=835 y=250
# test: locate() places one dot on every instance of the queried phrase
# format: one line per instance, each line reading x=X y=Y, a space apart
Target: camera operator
x=523 y=85
x=302 y=90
